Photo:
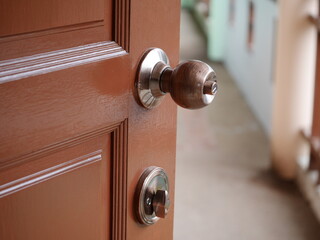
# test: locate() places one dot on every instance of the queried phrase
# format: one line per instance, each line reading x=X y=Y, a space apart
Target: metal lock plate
x=153 y=63
x=152 y=195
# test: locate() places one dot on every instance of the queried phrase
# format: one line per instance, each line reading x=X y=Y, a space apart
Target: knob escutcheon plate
x=153 y=63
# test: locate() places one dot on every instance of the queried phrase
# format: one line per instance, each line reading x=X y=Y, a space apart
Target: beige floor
x=224 y=188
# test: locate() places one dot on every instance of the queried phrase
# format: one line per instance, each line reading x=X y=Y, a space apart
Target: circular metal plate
x=152 y=64
x=151 y=180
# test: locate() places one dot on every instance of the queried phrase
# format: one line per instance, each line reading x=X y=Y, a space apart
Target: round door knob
x=192 y=84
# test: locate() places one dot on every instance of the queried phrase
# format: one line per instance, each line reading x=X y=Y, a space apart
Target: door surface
x=74 y=141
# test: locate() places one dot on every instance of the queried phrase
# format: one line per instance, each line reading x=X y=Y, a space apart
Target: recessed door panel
x=36 y=26
x=65 y=195
x=25 y=16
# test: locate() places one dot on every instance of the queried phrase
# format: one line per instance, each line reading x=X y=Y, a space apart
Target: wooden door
x=74 y=141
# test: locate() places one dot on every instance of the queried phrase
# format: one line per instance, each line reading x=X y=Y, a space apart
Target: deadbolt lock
x=152 y=196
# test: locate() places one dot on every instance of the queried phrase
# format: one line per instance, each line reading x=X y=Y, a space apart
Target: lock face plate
x=152 y=64
x=153 y=179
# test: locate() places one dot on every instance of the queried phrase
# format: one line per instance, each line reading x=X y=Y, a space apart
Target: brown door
x=74 y=141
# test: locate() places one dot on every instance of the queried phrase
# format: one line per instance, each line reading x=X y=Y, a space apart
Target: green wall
x=187 y=3
x=217 y=32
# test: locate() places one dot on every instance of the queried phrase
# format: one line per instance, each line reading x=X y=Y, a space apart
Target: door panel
x=35 y=26
x=45 y=197
x=68 y=92
x=41 y=110
x=78 y=186
x=25 y=16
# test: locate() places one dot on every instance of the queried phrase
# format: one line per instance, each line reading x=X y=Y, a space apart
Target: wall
x=294 y=83
x=277 y=75
x=187 y=3
x=218 y=13
x=252 y=69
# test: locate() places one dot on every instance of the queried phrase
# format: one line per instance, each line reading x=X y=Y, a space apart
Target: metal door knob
x=192 y=84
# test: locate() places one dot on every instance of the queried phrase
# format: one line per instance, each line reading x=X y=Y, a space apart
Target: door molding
x=15 y=69
x=122 y=23
x=49 y=173
x=119 y=181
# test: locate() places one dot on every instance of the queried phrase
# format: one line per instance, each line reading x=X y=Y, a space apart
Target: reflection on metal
x=192 y=84
x=152 y=196
x=151 y=67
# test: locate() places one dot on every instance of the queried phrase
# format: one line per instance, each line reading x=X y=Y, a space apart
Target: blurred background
x=247 y=165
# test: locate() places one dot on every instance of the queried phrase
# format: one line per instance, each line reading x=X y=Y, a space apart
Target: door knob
x=192 y=84
x=152 y=196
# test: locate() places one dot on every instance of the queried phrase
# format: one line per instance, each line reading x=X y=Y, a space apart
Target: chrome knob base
x=152 y=65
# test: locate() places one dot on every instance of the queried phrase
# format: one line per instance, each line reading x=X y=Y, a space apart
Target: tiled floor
x=224 y=188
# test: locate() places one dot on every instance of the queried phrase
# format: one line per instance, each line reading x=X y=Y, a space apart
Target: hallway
x=224 y=188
